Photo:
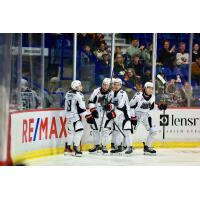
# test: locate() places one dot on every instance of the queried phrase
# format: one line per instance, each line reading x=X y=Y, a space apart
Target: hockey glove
x=90 y=119
x=111 y=115
x=107 y=107
x=94 y=113
x=162 y=106
x=134 y=121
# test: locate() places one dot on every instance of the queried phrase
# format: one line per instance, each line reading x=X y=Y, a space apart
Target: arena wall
x=38 y=133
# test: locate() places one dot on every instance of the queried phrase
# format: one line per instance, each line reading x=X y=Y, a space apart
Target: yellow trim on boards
x=19 y=159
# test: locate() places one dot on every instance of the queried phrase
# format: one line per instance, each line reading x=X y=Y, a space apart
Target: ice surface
x=175 y=157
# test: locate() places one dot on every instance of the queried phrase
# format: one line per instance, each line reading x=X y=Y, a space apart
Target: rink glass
x=46 y=62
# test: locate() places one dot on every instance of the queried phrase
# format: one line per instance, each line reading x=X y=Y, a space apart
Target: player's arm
x=92 y=104
x=133 y=105
x=108 y=106
x=81 y=105
x=160 y=106
x=82 y=110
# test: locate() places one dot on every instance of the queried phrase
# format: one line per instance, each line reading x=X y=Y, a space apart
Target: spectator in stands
x=136 y=65
x=86 y=56
x=100 y=50
x=117 y=50
x=84 y=39
x=195 y=52
x=105 y=59
x=167 y=56
x=119 y=66
x=173 y=96
x=182 y=58
x=134 y=48
x=98 y=38
x=146 y=55
x=147 y=76
x=187 y=94
x=196 y=70
x=139 y=87
x=131 y=77
x=55 y=97
x=102 y=69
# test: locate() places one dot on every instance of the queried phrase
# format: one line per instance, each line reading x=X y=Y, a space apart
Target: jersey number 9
x=69 y=105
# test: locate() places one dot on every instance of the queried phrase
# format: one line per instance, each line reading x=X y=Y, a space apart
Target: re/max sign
x=43 y=129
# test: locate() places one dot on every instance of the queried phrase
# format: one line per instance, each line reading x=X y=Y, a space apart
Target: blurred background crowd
x=132 y=63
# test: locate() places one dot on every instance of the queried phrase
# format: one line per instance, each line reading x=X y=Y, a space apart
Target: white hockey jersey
x=74 y=105
x=120 y=103
x=97 y=99
x=29 y=99
x=141 y=104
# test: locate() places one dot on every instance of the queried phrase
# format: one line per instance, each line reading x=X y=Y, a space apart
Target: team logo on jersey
x=164 y=120
x=145 y=106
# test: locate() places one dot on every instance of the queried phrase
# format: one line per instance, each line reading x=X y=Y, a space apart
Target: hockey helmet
x=106 y=81
x=117 y=80
x=148 y=84
x=75 y=84
x=24 y=83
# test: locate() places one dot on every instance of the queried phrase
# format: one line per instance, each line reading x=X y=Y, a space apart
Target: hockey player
x=119 y=112
x=141 y=104
x=102 y=127
x=29 y=98
x=74 y=110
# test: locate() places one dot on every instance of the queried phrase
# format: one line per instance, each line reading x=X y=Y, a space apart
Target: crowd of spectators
x=134 y=65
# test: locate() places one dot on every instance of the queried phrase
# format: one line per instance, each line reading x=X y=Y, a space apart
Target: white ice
x=167 y=157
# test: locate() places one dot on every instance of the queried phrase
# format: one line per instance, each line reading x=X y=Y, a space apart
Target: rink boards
x=38 y=133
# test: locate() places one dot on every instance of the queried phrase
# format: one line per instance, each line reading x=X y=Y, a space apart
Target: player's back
x=29 y=99
x=74 y=102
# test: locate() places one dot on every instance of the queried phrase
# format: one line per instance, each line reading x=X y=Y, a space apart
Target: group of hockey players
x=110 y=113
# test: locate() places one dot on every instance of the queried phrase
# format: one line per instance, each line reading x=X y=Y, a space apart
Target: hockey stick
x=163 y=81
x=118 y=128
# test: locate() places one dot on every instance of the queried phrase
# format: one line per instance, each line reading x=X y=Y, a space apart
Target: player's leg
x=118 y=139
x=105 y=137
x=70 y=137
x=126 y=127
x=113 y=140
x=148 y=150
x=78 y=127
x=96 y=137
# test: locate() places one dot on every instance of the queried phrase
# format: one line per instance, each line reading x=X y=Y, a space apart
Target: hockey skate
x=129 y=151
x=149 y=150
x=68 y=150
x=95 y=150
x=104 y=150
x=117 y=151
x=77 y=153
x=112 y=146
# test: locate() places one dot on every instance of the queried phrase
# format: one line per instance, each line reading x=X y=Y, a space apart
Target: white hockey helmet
x=148 y=84
x=106 y=81
x=75 y=84
x=117 y=80
x=24 y=83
